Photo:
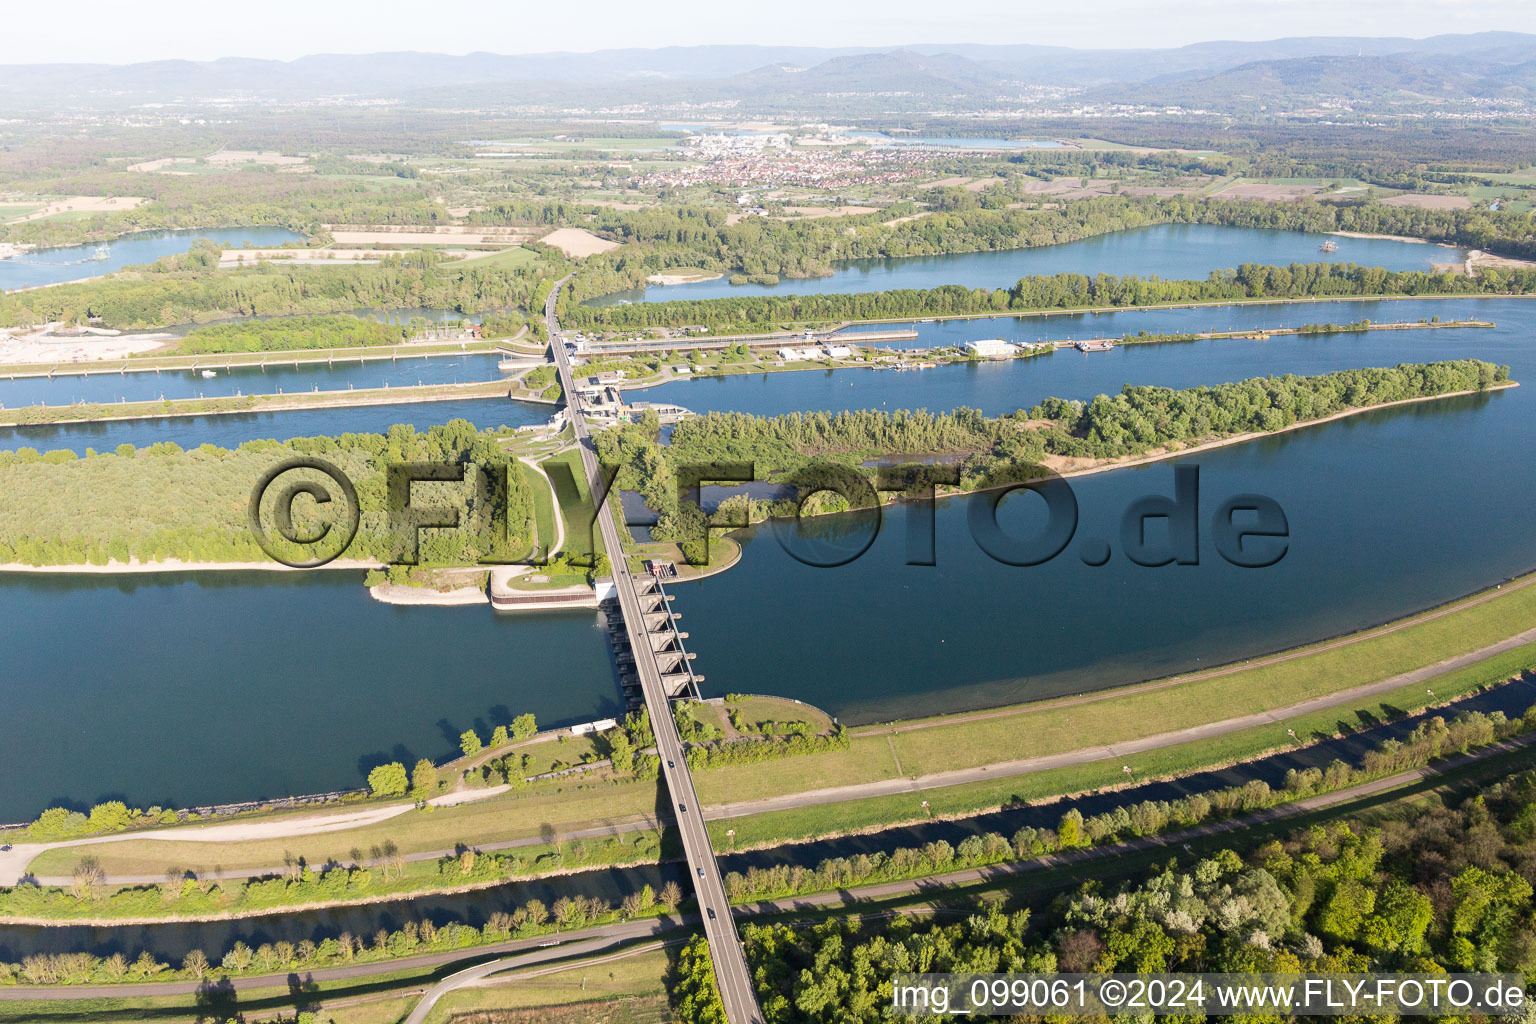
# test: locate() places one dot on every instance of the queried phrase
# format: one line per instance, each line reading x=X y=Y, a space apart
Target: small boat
x=1329 y=246
x=103 y=252
x=210 y=373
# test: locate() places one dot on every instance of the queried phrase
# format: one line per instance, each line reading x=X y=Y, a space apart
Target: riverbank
x=141 y=363
x=33 y=415
x=1069 y=467
x=391 y=593
x=114 y=568
x=1152 y=307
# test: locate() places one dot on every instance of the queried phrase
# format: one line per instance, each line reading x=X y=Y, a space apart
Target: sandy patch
x=41 y=347
x=1265 y=192
x=1384 y=238
x=578 y=242
x=945 y=183
x=1424 y=202
x=86 y=204
x=686 y=277
x=1477 y=260
x=253 y=156
x=389 y=593
x=424 y=234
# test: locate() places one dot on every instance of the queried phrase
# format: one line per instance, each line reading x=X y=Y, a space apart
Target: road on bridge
x=731 y=972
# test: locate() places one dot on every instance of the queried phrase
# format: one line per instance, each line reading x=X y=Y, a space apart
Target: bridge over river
x=641 y=611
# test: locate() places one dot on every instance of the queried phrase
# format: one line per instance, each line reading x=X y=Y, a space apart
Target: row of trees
x=1442 y=889
x=290 y=333
x=762 y=248
x=384 y=873
x=1432 y=739
x=531 y=919
x=1057 y=291
x=807 y=450
x=177 y=295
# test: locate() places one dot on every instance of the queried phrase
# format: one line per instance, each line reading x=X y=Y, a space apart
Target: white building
x=991 y=348
x=839 y=351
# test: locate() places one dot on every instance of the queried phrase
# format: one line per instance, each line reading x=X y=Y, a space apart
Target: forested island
x=1251 y=281
x=1056 y=434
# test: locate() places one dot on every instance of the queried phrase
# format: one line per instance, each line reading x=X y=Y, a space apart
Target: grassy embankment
x=229 y=360
x=154 y=409
x=967 y=741
x=1116 y=716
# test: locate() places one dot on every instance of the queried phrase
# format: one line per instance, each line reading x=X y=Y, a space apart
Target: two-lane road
x=731 y=973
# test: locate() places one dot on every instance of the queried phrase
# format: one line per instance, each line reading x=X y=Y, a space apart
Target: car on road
x=711 y=912
x=701 y=872
x=683 y=808
x=670 y=764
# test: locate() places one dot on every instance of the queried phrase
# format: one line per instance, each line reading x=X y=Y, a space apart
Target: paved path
x=144 y=990
x=884 y=890
x=1085 y=755
x=595 y=832
x=13 y=863
x=475 y=976
x=731 y=973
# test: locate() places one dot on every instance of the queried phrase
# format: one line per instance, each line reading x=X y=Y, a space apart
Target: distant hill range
x=1214 y=75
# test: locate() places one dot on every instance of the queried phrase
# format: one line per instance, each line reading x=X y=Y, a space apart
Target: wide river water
x=1389 y=512
x=1169 y=251
x=172 y=941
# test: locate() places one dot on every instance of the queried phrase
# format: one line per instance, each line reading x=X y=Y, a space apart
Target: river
x=74 y=262
x=172 y=941
x=196 y=688
x=1169 y=251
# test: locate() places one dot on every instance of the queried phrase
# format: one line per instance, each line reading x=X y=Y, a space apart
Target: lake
x=74 y=263
x=1170 y=251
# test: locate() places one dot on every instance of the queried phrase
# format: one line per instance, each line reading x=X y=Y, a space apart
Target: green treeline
x=288 y=333
x=190 y=294
x=1058 y=291
x=1137 y=419
x=1438 y=889
x=1433 y=739
x=413 y=937
x=163 y=502
x=756 y=751
x=763 y=247
x=88 y=896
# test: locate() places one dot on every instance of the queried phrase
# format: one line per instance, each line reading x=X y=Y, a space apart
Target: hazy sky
x=117 y=32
